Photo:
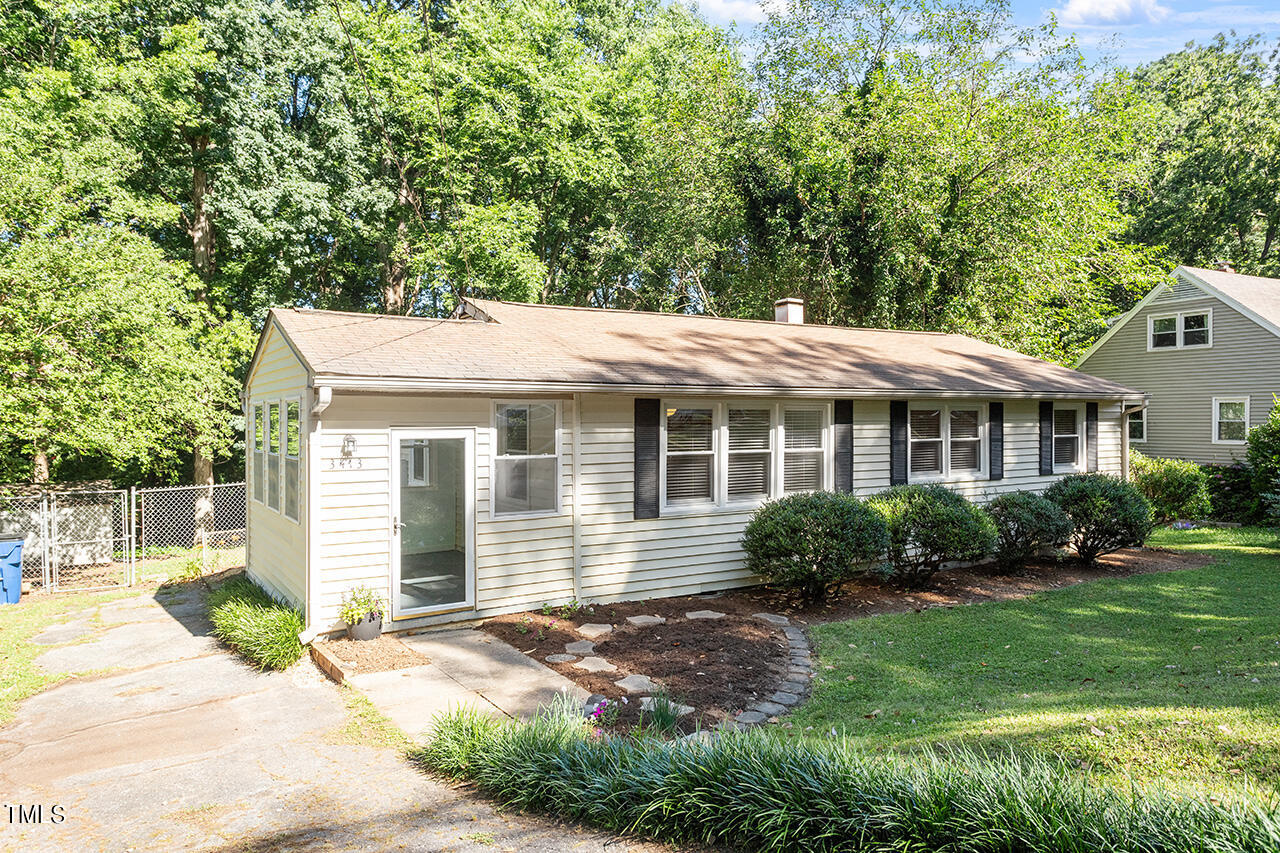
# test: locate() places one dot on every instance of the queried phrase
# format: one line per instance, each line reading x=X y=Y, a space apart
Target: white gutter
x=491 y=386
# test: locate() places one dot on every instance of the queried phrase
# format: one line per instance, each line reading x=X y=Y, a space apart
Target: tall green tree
x=1214 y=188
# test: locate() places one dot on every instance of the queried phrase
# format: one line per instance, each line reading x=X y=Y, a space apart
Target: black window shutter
x=1091 y=434
x=844 y=445
x=1046 y=438
x=995 y=427
x=646 y=462
x=897 y=442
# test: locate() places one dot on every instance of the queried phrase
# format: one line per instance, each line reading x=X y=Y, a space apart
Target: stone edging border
x=791 y=689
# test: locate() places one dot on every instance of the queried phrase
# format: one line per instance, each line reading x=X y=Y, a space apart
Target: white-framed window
x=415 y=463
x=741 y=452
x=946 y=441
x=274 y=441
x=1230 y=420
x=1138 y=426
x=1068 y=438
x=259 y=450
x=292 y=457
x=526 y=464
x=1185 y=330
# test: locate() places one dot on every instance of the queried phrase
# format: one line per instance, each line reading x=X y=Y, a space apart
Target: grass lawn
x=19 y=676
x=1172 y=677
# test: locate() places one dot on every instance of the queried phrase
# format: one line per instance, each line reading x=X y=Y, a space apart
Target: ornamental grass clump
x=811 y=543
x=1106 y=513
x=929 y=526
x=258 y=627
x=756 y=791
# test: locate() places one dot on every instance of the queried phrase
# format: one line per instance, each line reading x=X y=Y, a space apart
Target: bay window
x=526 y=465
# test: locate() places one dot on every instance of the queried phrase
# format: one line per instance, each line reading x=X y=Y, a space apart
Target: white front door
x=432 y=521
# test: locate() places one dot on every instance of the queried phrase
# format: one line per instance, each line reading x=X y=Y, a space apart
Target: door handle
x=396 y=526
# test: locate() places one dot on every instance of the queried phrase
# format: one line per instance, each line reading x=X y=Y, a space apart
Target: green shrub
x=1106 y=513
x=1026 y=523
x=1231 y=494
x=813 y=542
x=757 y=791
x=1175 y=488
x=1263 y=456
x=929 y=526
x=261 y=629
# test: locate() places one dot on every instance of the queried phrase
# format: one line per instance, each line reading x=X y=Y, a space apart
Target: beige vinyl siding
x=277 y=550
x=1244 y=361
x=520 y=562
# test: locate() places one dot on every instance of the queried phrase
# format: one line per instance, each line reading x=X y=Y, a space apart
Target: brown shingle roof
x=580 y=348
x=1259 y=295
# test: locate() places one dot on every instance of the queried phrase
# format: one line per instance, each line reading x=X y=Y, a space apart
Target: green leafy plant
x=1263 y=456
x=929 y=526
x=523 y=626
x=663 y=714
x=1175 y=488
x=1025 y=524
x=756 y=791
x=1231 y=494
x=1106 y=513
x=360 y=603
x=813 y=542
x=259 y=628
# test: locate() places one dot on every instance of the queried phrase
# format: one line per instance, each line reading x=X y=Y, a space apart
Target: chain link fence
x=94 y=539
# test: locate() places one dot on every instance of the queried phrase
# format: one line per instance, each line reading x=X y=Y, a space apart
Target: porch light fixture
x=348 y=445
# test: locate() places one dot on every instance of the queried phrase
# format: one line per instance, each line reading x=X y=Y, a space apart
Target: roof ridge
x=365 y=315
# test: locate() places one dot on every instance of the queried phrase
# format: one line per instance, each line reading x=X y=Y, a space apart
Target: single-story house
x=518 y=454
x=1205 y=348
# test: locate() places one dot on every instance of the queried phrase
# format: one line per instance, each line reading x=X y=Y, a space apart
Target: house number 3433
x=345 y=462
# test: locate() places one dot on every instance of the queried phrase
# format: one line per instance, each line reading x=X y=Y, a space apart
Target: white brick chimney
x=789 y=310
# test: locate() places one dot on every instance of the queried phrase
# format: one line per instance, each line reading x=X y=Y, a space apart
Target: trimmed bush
x=1026 y=523
x=813 y=542
x=1175 y=488
x=259 y=628
x=756 y=791
x=1231 y=495
x=1106 y=513
x=1263 y=457
x=929 y=526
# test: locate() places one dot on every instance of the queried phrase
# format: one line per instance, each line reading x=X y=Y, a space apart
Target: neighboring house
x=1205 y=348
x=520 y=454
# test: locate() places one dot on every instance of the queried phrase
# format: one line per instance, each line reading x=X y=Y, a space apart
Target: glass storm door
x=433 y=521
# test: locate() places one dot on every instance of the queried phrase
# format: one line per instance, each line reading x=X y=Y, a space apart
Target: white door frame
x=468 y=437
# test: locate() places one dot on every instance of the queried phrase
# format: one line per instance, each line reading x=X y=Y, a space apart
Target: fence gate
x=72 y=540
x=182 y=523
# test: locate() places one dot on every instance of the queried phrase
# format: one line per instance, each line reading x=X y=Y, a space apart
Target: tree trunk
x=395 y=257
x=202 y=258
x=204 y=500
x=40 y=465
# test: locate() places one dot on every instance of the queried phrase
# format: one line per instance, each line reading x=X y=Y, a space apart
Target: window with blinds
x=1066 y=437
x=690 y=455
x=750 y=453
x=527 y=462
x=926 y=441
x=803 y=450
x=965 y=440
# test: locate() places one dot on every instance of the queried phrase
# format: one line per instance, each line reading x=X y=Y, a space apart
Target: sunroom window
x=526 y=466
x=259 y=453
x=292 y=459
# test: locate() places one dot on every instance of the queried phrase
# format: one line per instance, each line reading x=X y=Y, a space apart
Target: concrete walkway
x=179 y=746
x=467 y=668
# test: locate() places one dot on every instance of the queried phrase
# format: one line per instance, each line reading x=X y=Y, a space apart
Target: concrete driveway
x=180 y=746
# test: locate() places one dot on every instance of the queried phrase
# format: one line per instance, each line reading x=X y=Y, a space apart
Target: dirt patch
x=380 y=655
x=724 y=665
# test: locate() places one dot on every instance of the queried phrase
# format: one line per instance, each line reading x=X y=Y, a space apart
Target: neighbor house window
x=1180 y=331
x=526 y=466
x=720 y=454
x=1138 y=425
x=690 y=455
x=944 y=440
x=804 y=452
x=1066 y=438
x=292 y=458
x=750 y=453
x=273 y=456
x=1230 y=420
x=259 y=453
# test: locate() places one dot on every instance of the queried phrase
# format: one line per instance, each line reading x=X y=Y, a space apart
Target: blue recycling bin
x=10 y=570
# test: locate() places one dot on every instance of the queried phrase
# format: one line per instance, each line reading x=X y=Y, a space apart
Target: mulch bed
x=722 y=666
x=380 y=655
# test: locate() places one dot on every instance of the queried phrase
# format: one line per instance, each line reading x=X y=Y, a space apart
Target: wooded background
x=170 y=170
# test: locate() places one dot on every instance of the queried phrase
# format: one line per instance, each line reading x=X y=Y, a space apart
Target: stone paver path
x=592 y=630
x=595 y=664
x=704 y=614
x=646 y=621
x=180 y=746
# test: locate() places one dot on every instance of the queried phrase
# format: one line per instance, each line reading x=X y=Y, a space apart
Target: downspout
x=321 y=397
x=1124 y=438
x=576 y=494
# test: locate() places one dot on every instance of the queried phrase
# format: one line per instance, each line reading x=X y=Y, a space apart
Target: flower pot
x=368 y=628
